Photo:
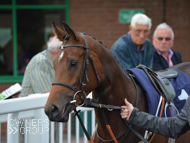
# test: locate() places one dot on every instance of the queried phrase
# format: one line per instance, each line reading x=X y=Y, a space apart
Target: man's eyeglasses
x=138 y=32
x=166 y=38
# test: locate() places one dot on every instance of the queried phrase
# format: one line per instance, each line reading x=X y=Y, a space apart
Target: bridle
x=92 y=102
x=83 y=72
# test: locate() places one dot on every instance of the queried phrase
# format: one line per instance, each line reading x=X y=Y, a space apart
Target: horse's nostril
x=52 y=108
x=54 y=111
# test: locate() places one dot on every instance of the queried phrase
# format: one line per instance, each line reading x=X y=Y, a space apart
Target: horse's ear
x=58 y=32
x=69 y=31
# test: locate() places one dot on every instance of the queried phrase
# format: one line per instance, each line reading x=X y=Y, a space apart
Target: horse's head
x=74 y=73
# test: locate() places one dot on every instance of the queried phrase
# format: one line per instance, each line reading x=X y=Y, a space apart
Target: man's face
x=139 y=33
x=163 y=40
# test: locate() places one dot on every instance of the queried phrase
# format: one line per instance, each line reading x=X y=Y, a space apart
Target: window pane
x=6 y=44
x=33 y=28
x=40 y=2
x=5 y=2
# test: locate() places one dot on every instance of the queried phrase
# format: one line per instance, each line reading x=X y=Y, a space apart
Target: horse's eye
x=73 y=63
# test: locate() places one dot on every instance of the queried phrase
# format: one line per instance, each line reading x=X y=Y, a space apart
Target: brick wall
x=177 y=15
x=100 y=19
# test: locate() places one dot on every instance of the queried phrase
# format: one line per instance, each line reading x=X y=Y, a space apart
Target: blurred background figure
x=135 y=48
x=39 y=73
x=164 y=55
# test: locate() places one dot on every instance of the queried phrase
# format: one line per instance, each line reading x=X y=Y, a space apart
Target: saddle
x=161 y=82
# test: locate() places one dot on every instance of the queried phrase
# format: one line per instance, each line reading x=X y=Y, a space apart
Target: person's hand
x=126 y=112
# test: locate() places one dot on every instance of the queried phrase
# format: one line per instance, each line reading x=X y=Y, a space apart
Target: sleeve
x=122 y=56
x=26 y=85
x=151 y=61
x=156 y=62
x=151 y=55
x=171 y=127
x=148 y=54
x=179 y=60
x=41 y=78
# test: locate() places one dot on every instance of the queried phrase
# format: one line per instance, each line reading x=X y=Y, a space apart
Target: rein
x=94 y=102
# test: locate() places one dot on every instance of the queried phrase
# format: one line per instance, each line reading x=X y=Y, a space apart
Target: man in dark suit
x=164 y=56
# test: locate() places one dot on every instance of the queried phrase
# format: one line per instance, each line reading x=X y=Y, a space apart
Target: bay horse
x=104 y=77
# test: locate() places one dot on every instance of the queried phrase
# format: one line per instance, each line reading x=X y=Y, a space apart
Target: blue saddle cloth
x=181 y=85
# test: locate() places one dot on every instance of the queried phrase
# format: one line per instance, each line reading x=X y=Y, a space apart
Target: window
x=24 y=30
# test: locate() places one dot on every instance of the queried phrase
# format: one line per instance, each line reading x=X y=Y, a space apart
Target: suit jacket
x=171 y=127
x=159 y=63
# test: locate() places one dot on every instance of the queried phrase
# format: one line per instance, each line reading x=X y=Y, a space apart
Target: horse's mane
x=126 y=72
x=95 y=39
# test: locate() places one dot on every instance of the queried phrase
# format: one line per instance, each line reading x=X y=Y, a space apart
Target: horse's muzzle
x=55 y=114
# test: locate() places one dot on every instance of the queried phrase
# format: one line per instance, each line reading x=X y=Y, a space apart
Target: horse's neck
x=114 y=85
x=114 y=94
x=114 y=88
